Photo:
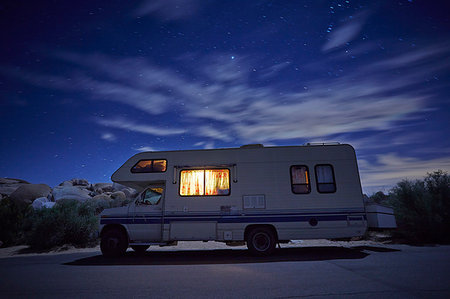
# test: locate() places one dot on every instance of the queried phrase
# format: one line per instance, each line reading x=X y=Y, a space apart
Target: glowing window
x=205 y=182
x=325 y=178
x=146 y=166
x=300 y=179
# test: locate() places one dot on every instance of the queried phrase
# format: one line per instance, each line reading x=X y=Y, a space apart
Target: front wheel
x=114 y=243
x=261 y=241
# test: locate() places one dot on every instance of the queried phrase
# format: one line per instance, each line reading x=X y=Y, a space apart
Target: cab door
x=146 y=215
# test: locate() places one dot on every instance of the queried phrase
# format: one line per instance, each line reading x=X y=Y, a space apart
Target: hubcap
x=261 y=241
x=113 y=242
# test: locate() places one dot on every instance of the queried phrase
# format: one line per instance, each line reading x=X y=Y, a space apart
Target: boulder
x=8 y=186
x=49 y=204
x=70 y=192
x=12 y=181
x=118 y=195
x=102 y=196
x=29 y=192
x=118 y=187
x=130 y=193
x=103 y=187
x=38 y=203
x=80 y=182
x=75 y=182
x=66 y=184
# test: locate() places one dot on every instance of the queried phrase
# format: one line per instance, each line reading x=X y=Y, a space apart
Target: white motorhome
x=254 y=194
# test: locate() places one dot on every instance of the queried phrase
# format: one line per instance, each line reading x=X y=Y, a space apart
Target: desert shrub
x=68 y=222
x=379 y=197
x=99 y=205
x=12 y=216
x=422 y=208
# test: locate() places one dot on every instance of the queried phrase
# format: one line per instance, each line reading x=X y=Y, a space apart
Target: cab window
x=152 y=196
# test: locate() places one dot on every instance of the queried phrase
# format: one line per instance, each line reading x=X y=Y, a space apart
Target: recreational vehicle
x=254 y=194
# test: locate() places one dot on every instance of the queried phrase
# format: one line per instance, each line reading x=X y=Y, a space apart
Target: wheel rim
x=112 y=243
x=261 y=241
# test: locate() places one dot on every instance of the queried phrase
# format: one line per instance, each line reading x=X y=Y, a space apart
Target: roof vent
x=322 y=143
x=256 y=145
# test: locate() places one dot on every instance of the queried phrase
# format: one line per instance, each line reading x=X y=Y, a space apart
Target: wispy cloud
x=205 y=145
x=144 y=149
x=346 y=32
x=388 y=169
x=108 y=137
x=223 y=104
x=274 y=70
x=168 y=10
x=120 y=123
x=223 y=96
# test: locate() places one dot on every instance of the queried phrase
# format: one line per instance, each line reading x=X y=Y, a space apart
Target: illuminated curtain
x=216 y=182
x=205 y=182
x=299 y=175
x=192 y=182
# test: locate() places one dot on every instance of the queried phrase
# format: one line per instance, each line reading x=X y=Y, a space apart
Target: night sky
x=84 y=85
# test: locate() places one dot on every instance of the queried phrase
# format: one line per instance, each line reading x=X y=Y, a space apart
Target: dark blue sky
x=86 y=84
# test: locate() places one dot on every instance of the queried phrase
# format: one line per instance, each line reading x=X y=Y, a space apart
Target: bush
x=379 y=197
x=68 y=222
x=12 y=217
x=422 y=208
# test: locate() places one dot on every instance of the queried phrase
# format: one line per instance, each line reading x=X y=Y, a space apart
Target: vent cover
x=254 y=201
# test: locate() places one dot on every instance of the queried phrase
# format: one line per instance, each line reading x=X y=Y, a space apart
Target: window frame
x=317 y=180
x=204 y=182
x=131 y=170
x=308 y=177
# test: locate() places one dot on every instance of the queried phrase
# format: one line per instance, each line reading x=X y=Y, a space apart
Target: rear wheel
x=140 y=248
x=261 y=241
x=114 y=243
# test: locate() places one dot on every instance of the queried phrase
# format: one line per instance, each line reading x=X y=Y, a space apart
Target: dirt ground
x=23 y=250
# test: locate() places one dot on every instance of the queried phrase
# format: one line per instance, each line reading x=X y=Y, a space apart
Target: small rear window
x=326 y=182
x=300 y=179
x=147 y=166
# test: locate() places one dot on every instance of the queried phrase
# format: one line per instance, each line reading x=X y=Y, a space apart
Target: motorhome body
x=260 y=195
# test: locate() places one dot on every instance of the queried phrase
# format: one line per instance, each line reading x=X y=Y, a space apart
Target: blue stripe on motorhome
x=227 y=219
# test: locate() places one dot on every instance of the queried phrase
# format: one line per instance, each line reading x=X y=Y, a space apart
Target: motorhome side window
x=205 y=182
x=325 y=178
x=146 y=166
x=300 y=179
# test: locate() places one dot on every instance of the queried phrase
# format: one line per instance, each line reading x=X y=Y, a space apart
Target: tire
x=261 y=241
x=140 y=248
x=114 y=243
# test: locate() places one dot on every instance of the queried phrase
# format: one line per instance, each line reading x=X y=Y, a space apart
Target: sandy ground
x=195 y=245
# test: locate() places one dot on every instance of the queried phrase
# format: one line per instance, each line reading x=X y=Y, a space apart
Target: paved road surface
x=398 y=271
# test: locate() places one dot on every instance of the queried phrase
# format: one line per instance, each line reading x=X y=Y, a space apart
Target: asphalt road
x=398 y=271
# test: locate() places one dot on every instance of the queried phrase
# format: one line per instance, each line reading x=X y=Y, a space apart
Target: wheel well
x=268 y=226
x=113 y=226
